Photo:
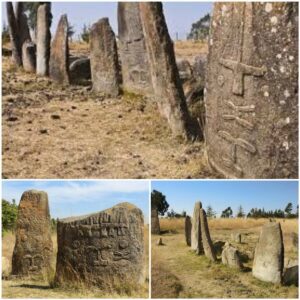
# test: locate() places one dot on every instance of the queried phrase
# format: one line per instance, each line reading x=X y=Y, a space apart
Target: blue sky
x=179 y=15
x=181 y=195
x=74 y=198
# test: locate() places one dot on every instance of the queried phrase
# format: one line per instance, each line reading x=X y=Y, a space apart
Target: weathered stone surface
x=155 y=228
x=196 y=230
x=252 y=90
x=199 y=66
x=33 y=248
x=23 y=29
x=59 y=57
x=206 y=240
x=185 y=69
x=43 y=39
x=6 y=267
x=219 y=246
x=101 y=249
x=134 y=59
x=231 y=257
x=188 y=230
x=28 y=56
x=164 y=73
x=269 y=254
x=291 y=273
x=80 y=69
x=104 y=59
x=236 y=237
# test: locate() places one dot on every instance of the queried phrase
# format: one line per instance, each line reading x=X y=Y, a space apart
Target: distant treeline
x=9 y=216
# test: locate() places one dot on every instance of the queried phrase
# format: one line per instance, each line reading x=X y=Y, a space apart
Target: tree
x=85 y=34
x=200 y=29
x=240 y=213
x=31 y=9
x=227 y=213
x=71 y=31
x=5 y=34
x=9 y=214
x=210 y=212
x=158 y=200
x=288 y=209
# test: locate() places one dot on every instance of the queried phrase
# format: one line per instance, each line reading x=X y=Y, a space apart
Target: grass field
x=18 y=288
x=177 y=272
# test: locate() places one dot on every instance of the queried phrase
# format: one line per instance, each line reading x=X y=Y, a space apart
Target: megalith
x=155 y=227
x=23 y=29
x=269 y=254
x=208 y=247
x=28 y=56
x=59 y=54
x=231 y=257
x=33 y=248
x=101 y=249
x=188 y=230
x=196 y=239
x=252 y=90
x=104 y=59
x=43 y=39
x=132 y=49
x=166 y=83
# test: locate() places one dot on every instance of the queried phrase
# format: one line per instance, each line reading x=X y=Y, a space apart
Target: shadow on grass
x=33 y=286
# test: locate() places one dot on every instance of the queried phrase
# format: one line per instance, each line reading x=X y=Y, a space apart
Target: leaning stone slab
x=102 y=249
x=206 y=239
x=188 y=230
x=269 y=254
x=43 y=39
x=104 y=59
x=33 y=248
x=59 y=58
x=231 y=257
x=252 y=90
x=28 y=56
x=134 y=59
x=155 y=227
x=196 y=238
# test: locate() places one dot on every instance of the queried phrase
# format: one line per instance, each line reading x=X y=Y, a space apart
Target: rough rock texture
x=59 y=57
x=104 y=59
x=188 y=230
x=155 y=228
x=199 y=66
x=23 y=29
x=101 y=249
x=236 y=237
x=185 y=69
x=43 y=39
x=134 y=59
x=252 y=90
x=291 y=273
x=28 y=56
x=196 y=237
x=206 y=240
x=219 y=246
x=165 y=77
x=33 y=248
x=269 y=254
x=80 y=69
x=231 y=257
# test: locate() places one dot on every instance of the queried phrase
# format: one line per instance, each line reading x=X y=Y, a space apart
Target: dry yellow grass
x=190 y=276
x=190 y=49
x=19 y=288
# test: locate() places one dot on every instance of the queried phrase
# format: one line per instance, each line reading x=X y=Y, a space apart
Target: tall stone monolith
x=33 y=248
x=102 y=249
x=252 y=90
x=269 y=254
x=104 y=59
x=196 y=238
x=188 y=230
x=155 y=227
x=164 y=73
x=59 y=55
x=134 y=59
x=43 y=39
x=29 y=56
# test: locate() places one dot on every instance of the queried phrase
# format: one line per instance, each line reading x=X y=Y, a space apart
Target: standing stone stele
x=23 y=29
x=43 y=39
x=104 y=59
x=101 y=249
x=269 y=254
x=33 y=248
x=188 y=230
x=155 y=227
x=134 y=59
x=59 y=55
x=164 y=73
x=231 y=257
x=28 y=56
x=252 y=90
x=206 y=239
x=196 y=238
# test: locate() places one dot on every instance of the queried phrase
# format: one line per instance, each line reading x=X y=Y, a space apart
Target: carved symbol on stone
x=220 y=80
x=33 y=262
x=237 y=111
x=240 y=68
x=94 y=255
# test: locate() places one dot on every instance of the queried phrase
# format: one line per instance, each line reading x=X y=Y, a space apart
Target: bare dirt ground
x=22 y=288
x=50 y=131
x=177 y=272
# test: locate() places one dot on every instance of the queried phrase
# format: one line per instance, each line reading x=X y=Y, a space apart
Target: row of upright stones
x=268 y=264
x=101 y=249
